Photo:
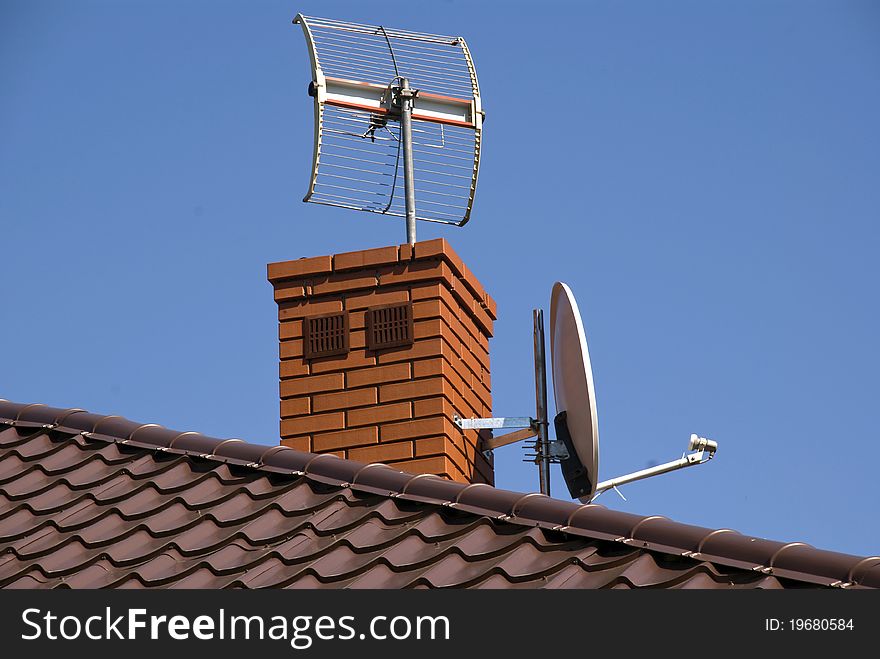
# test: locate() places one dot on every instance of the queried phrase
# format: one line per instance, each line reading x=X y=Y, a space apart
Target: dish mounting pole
x=542 y=441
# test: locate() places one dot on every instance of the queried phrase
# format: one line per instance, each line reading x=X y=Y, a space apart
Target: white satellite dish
x=573 y=387
x=576 y=421
x=576 y=447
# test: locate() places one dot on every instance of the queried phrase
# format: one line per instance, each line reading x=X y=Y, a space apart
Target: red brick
x=443 y=304
x=429 y=328
x=436 y=425
x=366 y=258
x=440 y=465
x=312 y=384
x=364 y=300
x=295 y=407
x=291 y=290
x=382 y=453
x=345 y=439
x=379 y=374
x=356 y=338
x=406 y=253
x=301 y=309
x=427 y=368
x=474 y=393
x=482 y=392
x=460 y=304
x=473 y=368
x=344 y=282
x=440 y=368
x=415 y=389
x=459 y=330
x=379 y=414
x=299 y=268
x=481 y=355
x=442 y=407
x=292 y=368
x=470 y=280
x=491 y=306
x=469 y=386
x=467 y=408
x=313 y=423
x=292 y=329
x=461 y=371
x=465 y=300
x=432 y=308
x=439 y=248
x=418 y=350
x=345 y=400
x=429 y=289
x=291 y=349
x=428 y=446
x=415 y=271
x=353 y=360
x=484 y=322
x=299 y=443
x=426 y=291
x=463 y=453
x=466 y=328
x=433 y=407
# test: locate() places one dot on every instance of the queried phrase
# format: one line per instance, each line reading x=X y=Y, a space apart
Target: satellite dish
x=398 y=122
x=576 y=422
x=576 y=447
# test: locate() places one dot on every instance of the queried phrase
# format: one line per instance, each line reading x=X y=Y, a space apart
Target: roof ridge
x=793 y=560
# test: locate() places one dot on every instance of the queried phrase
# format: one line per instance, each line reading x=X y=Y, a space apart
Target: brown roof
x=92 y=501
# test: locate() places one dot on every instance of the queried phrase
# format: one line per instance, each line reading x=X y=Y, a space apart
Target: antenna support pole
x=406 y=106
x=543 y=441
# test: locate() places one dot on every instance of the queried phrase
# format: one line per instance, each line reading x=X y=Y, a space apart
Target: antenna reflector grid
x=358 y=157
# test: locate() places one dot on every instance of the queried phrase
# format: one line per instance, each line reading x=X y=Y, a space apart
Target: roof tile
x=105 y=502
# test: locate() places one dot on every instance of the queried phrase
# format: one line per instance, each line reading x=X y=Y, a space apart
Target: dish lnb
x=698 y=443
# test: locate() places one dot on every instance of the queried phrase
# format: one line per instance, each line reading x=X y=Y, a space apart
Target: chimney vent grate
x=325 y=335
x=389 y=326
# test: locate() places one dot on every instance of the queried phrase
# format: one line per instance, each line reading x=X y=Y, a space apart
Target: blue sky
x=705 y=176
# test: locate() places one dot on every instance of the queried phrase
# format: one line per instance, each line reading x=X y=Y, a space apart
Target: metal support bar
x=509 y=438
x=406 y=106
x=543 y=444
x=495 y=423
x=688 y=460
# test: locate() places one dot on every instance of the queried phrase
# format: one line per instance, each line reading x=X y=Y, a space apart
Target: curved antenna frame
x=369 y=83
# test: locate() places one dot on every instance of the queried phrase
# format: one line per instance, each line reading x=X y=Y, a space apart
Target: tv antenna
x=398 y=122
x=576 y=448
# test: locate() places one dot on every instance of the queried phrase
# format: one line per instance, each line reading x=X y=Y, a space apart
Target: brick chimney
x=379 y=350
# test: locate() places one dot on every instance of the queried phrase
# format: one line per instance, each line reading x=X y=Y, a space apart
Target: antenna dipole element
x=543 y=441
x=406 y=106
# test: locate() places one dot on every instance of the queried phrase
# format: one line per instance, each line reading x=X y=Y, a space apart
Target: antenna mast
x=409 y=177
x=398 y=122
